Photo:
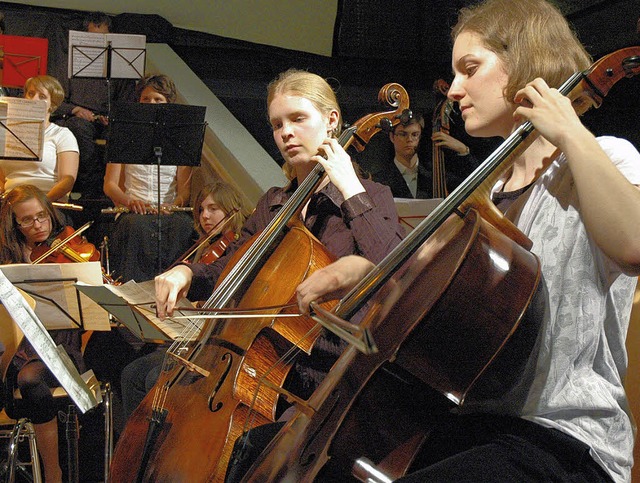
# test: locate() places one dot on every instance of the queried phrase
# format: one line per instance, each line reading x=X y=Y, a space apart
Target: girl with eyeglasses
x=28 y=219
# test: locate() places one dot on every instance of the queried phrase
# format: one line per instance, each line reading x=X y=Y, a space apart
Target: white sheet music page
x=87 y=54
x=22 y=129
x=55 y=358
x=127 y=55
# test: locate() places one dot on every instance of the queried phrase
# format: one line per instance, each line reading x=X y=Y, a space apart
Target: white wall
x=304 y=25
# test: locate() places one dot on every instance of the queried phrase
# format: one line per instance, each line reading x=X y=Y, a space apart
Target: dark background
x=375 y=43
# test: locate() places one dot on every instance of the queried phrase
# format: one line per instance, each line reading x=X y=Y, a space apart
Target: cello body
x=206 y=414
x=434 y=329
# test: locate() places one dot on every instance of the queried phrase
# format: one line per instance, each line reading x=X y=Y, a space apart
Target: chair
x=11 y=336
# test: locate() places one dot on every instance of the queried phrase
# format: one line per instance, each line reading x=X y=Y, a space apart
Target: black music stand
x=160 y=134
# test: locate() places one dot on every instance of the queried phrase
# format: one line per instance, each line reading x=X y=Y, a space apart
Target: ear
x=333 y=119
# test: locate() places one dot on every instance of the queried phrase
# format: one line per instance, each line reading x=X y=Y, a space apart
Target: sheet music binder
x=54 y=357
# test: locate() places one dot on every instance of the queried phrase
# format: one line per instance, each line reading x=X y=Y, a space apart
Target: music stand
x=106 y=56
x=22 y=57
x=160 y=134
x=54 y=357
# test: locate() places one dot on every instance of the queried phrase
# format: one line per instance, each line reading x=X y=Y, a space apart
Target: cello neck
x=269 y=237
x=474 y=192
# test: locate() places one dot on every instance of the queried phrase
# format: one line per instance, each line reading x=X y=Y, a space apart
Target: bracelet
x=466 y=153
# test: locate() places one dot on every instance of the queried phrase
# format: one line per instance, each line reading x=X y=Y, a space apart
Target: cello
x=207 y=389
x=421 y=338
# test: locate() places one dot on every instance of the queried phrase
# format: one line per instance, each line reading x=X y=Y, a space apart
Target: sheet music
x=128 y=57
x=22 y=129
x=142 y=297
x=412 y=211
x=55 y=358
x=61 y=293
x=88 y=52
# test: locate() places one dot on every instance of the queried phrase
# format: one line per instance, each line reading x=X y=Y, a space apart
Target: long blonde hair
x=531 y=38
x=310 y=86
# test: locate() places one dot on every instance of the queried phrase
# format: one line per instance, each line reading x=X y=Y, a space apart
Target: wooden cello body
x=206 y=414
x=434 y=323
x=433 y=329
x=230 y=379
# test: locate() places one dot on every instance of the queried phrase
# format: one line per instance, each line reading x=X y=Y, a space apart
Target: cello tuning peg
x=406 y=116
x=385 y=125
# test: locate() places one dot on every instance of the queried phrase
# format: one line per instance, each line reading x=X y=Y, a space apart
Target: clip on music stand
x=160 y=134
x=23 y=57
x=22 y=126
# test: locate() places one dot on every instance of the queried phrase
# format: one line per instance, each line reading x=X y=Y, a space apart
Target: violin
x=69 y=247
x=66 y=247
x=216 y=249
x=429 y=325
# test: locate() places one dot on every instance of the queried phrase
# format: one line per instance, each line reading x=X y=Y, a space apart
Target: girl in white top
x=134 y=240
x=56 y=173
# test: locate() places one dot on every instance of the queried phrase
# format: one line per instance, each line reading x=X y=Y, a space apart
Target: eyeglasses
x=28 y=222
x=405 y=135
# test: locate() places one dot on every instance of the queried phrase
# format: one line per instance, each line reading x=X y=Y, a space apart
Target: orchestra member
x=28 y=219
x=57 y=171
x=134 y=243
x=576 y=197
x=213 y=203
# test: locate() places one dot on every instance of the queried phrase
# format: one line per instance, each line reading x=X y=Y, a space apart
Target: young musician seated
x=57 y=171
x=134 y=243
x=27 y=220
x=213 y=204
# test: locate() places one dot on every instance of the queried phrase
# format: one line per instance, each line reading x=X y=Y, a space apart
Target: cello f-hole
x=227 y=359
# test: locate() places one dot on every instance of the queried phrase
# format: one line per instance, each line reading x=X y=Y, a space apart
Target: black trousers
x=486 y=448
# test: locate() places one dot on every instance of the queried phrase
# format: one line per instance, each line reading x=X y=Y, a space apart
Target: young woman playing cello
x=348 y=214
x=572 y=422
x=28 y=219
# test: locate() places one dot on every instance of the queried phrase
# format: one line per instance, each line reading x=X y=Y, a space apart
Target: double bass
x=431 y=323
x=213 y=388
x=440 y=123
